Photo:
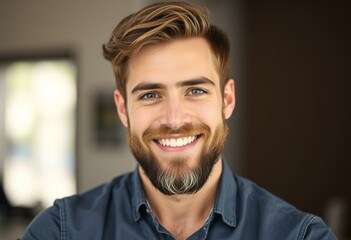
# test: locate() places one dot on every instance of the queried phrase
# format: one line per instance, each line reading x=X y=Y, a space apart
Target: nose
x=175 y=113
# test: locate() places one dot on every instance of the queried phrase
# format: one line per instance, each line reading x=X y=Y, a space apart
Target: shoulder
x=272 y=215
x=253 y=196
x=315 y=228
x=99 y=195
x=84 y=210
x=46 y=225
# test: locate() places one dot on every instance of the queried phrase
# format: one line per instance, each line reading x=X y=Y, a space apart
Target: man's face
x=175 y=113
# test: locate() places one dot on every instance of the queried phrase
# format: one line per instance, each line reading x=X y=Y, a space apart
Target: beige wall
x=81 y=27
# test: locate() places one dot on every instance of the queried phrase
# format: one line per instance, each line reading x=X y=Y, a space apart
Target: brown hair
x=159 y=23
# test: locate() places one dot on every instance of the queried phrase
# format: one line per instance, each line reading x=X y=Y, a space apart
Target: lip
x=178 y=149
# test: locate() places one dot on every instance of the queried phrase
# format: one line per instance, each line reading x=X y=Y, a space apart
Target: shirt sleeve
x=44 y=226
x=318 y=230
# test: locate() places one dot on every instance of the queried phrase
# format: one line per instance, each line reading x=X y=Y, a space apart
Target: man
x=174 y=94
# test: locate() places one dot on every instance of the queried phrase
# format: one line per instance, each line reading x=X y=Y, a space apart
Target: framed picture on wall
x=108 y=130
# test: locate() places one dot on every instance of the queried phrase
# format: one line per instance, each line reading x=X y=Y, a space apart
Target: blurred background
x=59 y=133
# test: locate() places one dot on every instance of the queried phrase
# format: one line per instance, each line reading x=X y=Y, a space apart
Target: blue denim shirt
x=119 y=210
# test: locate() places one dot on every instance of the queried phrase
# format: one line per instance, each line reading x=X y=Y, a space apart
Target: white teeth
x=173 y=143
x=176 y=142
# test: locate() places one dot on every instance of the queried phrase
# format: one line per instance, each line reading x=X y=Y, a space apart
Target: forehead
x=172 y=62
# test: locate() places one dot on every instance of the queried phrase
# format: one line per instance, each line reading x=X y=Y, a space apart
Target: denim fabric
x=119 y=210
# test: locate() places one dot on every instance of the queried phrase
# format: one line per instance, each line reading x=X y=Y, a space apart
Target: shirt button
x=147 y=211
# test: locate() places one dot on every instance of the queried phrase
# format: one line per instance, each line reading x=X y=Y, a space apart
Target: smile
x=176 y=142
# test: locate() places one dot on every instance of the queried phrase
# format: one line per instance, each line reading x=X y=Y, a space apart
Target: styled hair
x=161 y=23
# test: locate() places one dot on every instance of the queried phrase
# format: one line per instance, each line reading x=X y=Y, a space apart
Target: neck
x=182 y=215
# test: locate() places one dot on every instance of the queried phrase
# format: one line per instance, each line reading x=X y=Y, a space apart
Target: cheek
x=141 y=119
x=137 y=123
x=210 y=112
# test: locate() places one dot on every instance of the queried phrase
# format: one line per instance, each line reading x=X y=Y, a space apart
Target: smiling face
x=175 y=113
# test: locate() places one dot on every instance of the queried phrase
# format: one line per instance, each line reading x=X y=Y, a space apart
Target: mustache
x=187 y=129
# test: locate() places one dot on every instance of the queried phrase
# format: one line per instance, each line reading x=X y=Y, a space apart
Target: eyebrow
x=195 y=81
x=190 y=82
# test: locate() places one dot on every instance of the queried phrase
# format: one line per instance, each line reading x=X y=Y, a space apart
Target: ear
x=121 y=107
x=228 y=98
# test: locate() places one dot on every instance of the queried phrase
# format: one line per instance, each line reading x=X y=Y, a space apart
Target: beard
x=178 y=177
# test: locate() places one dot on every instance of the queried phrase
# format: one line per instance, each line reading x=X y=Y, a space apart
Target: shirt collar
x=225 y=204
x=138 y=195
x=225 y=200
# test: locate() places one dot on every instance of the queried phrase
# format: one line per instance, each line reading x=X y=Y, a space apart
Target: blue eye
x=196 y=91
x=149 y=96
